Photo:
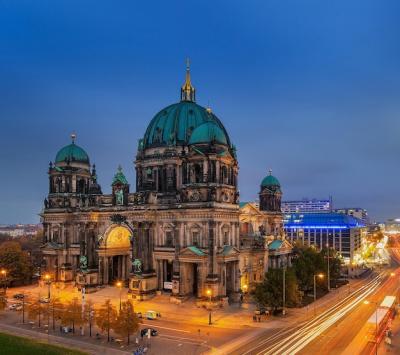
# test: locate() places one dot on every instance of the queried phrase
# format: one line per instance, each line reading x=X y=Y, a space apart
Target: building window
x=169 y=240
x=195 y=238
x=226 y=238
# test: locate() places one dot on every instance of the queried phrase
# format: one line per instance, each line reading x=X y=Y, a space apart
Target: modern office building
x=341 y=232
x=356 y=212
x=307 y=206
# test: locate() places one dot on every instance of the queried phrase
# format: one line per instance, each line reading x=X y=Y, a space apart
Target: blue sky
x=307 y=88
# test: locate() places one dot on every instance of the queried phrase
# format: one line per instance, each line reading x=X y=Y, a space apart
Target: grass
x=14 y=345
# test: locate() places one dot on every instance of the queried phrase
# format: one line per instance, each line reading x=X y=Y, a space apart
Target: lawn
x=10 y=345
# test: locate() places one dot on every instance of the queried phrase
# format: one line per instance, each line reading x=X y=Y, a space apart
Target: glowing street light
x=47 y=279
x=119 y=285
x=321 y=276
x=4 y=276
x=209 y=294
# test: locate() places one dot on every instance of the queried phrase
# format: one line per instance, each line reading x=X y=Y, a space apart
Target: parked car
x=44 y=300
x=145 y=331
x=15 y=306
x=19 y=296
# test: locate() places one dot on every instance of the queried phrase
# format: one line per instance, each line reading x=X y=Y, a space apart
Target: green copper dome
x=72 y=153
x=208 y=132
x=175 y=124
x=270 y=180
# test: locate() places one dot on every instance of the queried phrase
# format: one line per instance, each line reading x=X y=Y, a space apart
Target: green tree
x=335 y=263
x=105 y=317
x=15 y=261
x=269 y=293
x=126 y=323
x=307 y=262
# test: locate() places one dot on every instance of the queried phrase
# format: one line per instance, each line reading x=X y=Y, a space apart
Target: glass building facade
x=341 y=232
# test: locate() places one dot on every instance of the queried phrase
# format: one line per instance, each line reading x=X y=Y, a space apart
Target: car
x=44 y=300
x=145 y=331
x=19 y=296
x=139 y=314
x=15 y=307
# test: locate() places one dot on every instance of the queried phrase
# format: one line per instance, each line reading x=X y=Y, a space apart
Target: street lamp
x=4 y=276
x=315 y=288
x=376 y=323
x=209 y=294
x=329 y=275
x=119 y=284
x=47 y=279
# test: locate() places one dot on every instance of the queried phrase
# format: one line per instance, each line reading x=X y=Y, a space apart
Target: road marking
x=159 y=326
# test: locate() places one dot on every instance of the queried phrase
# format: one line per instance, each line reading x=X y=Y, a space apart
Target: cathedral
x=182 y=229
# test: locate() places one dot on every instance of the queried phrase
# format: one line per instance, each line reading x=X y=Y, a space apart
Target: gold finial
x=73 y=137
x=187 y=90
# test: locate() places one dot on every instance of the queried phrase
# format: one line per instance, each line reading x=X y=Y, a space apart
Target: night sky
x=308 y=88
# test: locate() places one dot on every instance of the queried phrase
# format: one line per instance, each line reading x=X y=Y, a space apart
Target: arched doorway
x=115 y=254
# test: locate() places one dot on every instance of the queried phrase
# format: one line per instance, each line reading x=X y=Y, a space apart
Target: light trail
x=301 y=337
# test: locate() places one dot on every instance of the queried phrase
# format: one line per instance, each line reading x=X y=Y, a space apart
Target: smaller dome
x=270 y=180
x=72 y=153
x=208 y=132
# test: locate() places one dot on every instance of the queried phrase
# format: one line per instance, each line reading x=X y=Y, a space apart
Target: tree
x=335 y=263
x=105 y=317
x=72 y=314
x=35 y=310
x=127 y=322
x=269 y=293
x=15 y=261
x=307 y=262
x=56 y=310
x=3 y=302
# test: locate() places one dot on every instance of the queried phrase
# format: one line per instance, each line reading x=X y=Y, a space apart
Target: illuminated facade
x=180 y=230
x=343 y=233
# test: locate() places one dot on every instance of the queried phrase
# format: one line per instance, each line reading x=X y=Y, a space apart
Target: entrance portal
x=115 y=255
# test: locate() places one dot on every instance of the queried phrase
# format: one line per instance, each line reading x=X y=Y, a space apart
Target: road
x=338 y=330
x=296 y=337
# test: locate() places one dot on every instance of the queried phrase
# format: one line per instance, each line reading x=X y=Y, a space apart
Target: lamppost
x=245 y=287
x=329 y=275
x=209 y=294
x=119 y=285
x=315 y=289
x=376 y=323
x=4 y=277
x=47 y=279
x=284 y=291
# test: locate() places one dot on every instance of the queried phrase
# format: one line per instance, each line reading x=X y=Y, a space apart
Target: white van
x=152 y=315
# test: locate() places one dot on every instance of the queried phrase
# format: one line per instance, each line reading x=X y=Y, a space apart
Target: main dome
x=175 y=124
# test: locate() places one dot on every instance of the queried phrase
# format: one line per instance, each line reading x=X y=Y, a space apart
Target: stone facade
x=180 y=231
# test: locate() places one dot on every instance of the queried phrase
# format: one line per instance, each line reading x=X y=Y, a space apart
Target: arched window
x=224 y=175
x=198 y=173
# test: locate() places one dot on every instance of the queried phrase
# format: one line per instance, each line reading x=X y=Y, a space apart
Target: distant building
x=19 y=230
x=342 y=232
x=307 y=206
x=392 y=226
x=356 y=212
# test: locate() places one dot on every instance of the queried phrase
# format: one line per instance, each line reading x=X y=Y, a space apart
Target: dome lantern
x=188 y=92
